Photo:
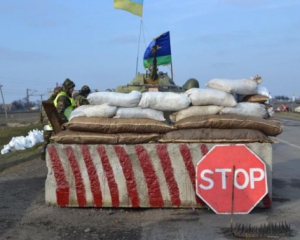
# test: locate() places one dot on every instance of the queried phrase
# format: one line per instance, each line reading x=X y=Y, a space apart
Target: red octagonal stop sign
x=214 y=175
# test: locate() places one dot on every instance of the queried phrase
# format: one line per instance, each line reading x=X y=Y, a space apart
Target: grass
x=11 y=158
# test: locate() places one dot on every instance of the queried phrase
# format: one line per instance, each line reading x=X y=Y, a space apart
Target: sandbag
x=211 y=135
x=263 y=91
x=238 y=86
x=112 y=125
x=140 y=113
x=74 y=137
x=165 y=101
x=270 y=126
x=131 y=99
x=209 y=96
x=194 y=111
x=103 y=110
x=247 y=109
x=258 y=98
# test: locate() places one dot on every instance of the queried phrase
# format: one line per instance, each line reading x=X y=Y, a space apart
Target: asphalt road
x=24 y=214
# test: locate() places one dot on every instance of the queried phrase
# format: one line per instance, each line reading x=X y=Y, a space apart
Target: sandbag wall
x=213 y=114
x=120 y=151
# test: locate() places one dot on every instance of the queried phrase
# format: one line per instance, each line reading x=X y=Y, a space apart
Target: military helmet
x=68 y=84
x=85 y=90
x=191 y=83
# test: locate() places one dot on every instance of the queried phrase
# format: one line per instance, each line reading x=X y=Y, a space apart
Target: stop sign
x=214 y=179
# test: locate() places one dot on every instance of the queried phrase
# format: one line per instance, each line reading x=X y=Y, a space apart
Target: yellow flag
x=133 y=6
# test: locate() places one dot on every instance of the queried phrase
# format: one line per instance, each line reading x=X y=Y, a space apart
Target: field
x=18 y=124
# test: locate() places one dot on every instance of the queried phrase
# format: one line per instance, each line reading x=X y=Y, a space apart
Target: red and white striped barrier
x=145 y=175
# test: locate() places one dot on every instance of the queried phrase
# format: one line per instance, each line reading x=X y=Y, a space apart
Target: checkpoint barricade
x=133 y=176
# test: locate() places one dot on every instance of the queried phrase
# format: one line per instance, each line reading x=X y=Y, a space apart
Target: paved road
x=24 y=215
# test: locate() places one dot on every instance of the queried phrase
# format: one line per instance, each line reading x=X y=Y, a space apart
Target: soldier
x=46 y=124
x=81 y=98
x=64 y=102
x=75 y=94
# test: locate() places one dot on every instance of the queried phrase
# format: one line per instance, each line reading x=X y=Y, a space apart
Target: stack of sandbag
x=93 y=130
x=224 y=96
x=250 y=95
x=204 y=102
x=121 y=118
x=230 y=128
x=226 y=111
x=137 y=105
x=217 y=116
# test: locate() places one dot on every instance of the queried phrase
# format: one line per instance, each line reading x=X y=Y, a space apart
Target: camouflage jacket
x=81 y=100
x=62 y=103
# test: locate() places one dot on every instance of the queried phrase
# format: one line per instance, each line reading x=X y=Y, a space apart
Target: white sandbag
x=195 y=111
x=34 y=137
x=297 y=109
x=78 y=112
x=16 y=143
x=140 y=113
x=6 y=149
x=103 y=110
x=263 y=91
x=21 y=143
x=247 y=109
x=209 y=96
x=165 y=101
x=238 y=86
x=131 y=99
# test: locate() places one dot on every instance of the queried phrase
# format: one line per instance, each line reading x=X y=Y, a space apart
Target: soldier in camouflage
x=45 y=122
x=81 y=98
x=64 y=102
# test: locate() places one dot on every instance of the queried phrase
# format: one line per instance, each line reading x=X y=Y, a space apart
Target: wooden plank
x=53 y=116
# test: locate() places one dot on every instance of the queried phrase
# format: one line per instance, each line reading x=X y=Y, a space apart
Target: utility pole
x=27 y=98
x=3 y=100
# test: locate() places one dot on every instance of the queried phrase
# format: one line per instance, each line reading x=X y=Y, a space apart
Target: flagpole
x=171 y=62
x=138 y=52
x=172 y=72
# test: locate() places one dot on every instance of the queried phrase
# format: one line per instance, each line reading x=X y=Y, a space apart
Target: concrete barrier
x=134 y=176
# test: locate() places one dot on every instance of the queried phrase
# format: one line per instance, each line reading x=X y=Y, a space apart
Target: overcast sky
x=44 y=42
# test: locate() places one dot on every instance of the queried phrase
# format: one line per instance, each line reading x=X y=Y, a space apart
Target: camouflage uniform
x=45 y=121
x=81 y=98
x=63 y=101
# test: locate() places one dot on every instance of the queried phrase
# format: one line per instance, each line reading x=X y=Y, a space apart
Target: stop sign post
x=214 y=176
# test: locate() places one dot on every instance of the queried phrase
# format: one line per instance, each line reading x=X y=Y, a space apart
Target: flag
x=133 y=6
x=163 y=53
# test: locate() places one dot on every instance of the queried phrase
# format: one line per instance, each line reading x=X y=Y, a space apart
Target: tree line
x=22 y=104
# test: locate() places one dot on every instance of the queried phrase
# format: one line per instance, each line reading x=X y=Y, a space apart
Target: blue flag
x=163 y=52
